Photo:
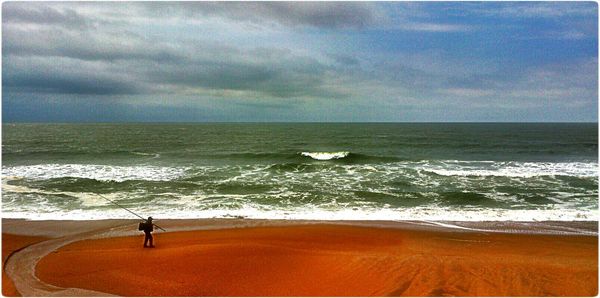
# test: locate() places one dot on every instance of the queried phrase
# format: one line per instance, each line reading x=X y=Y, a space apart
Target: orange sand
x=329 y=260
x=10 y=243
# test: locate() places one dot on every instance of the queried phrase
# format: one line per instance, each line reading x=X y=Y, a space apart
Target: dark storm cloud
x=231 y=76
x=297 y=54
x=62 y=62
x=39 y=76
x=38 y=83
x=34 y=13
x=317 y=14
x=156 y=65
x=106 y=45
x=56 y=56
x=278 y=74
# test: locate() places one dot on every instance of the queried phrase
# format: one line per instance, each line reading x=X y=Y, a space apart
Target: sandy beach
x=287 y=258
x=11 y=243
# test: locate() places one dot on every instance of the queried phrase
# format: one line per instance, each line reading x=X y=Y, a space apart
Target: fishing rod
x=127 y=210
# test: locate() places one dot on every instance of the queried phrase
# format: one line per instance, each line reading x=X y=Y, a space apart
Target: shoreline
x=237 y=251
x=59 y=227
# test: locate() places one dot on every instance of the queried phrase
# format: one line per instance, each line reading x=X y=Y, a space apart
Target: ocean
x=337 y=171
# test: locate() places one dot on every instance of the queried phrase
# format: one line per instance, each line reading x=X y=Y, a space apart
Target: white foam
x=97 y=172
x=86 y=198
x=311 y=213
x=325 y=155
x=511 y=169
x=341 y=182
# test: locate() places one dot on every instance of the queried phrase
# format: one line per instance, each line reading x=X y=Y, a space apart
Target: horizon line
x=300 y=122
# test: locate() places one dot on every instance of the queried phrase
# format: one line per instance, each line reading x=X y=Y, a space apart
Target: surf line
x=127 y=210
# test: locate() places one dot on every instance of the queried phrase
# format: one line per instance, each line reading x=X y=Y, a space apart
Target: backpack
x=141 y=226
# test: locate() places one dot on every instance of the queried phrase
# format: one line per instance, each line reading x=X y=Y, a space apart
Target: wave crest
x=326 y=155
x=96 y=172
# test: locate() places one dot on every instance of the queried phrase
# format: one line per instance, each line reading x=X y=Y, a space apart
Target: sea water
x=358 y=171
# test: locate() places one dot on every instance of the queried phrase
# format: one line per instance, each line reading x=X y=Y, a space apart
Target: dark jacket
x=148 y=227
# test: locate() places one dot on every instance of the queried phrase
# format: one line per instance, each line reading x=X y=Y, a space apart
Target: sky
x=299 y=61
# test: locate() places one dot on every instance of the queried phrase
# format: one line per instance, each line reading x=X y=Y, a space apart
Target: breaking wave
x=96 y=172
x=326 y=155
x=509 y=169
x=310 y=189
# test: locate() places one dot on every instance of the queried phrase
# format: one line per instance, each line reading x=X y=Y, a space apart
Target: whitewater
x=433 y=172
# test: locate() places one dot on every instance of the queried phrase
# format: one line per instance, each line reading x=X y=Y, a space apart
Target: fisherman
x=148 y=228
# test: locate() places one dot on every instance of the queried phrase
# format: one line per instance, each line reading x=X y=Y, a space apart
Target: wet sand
x=319 y=259
x=11 y=243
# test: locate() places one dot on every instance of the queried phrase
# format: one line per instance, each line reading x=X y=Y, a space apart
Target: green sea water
x=371 y=171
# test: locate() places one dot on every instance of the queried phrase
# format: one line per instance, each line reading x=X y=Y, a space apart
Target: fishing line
x=127 y=210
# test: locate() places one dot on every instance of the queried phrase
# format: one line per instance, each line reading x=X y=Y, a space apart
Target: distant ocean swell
x=345 y=156
x=309 y=185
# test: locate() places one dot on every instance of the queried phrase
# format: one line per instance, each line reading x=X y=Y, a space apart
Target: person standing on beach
x=148 y=228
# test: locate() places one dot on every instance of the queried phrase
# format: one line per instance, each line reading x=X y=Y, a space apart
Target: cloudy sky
x=299 y=61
